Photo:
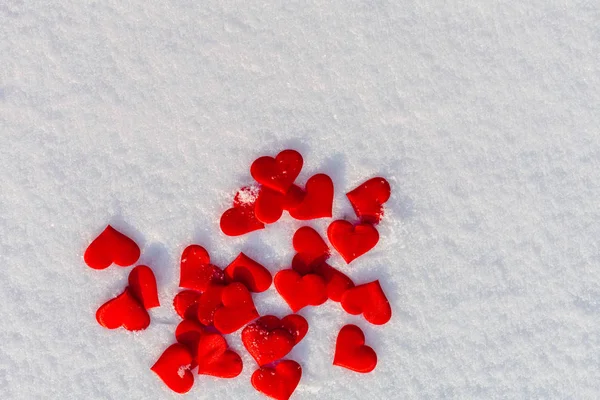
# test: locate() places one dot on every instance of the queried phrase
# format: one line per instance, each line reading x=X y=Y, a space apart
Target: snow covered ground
x=484 y=116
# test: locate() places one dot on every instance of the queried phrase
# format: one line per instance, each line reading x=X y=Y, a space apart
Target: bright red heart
x=352 y=241
x=277 y=173
x=312 y=250
x=318 y=200
x=351 y=351
x=124 y=310
x=295 y=324
x=188 y=333
x=279 y=382
x=270 y=203
x=368 y=199
x=241 y=219
x=186 y=304
x=237 y=310
x=111 y=246
x=335 y=281
x=209 y=303
x=173 y=367
x=267 y=344
x=211 y=347
x=143 y=285
x=196 y=270
x=228 y=365
x=300 y=291
x=369 y=300
x=247 y=271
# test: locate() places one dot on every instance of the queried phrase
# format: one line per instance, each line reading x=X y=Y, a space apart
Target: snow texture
x=483 y=116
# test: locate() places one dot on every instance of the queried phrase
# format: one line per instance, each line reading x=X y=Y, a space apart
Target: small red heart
x=277 y=173
x=368 y=299
x=211 y=347
x=173 y=367
x=143 y=285
x=351 y=351
x=241 y=219
x=124 y=310
x=296 y=325
x=111 y=246
x=228 y=365
x=312 y=250
x=279 y=382
x=188 y=333
x=270 y=204
x=267 y=342
x=335 y=281
x=238 y=309
x=209 y=303
x=352 y=241
x=247 y=271
x=196 y=270
x=186 y=304
x=368 y=199
x=300 y=291
x=318 y=200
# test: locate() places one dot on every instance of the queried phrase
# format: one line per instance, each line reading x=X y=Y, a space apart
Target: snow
x=147 y=115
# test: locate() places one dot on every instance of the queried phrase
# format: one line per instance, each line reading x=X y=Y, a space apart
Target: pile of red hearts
x=216 y=302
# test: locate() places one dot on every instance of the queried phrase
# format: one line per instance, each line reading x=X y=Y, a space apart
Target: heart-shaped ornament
x=111 y=246
x=312 y=250
x=143 y=286
x=318 y=199
x=352 y=241
x=250 y=273
x=185 y=304
x=351 y=351
x=279 y=382
x=270 y=204
x=209 y=303
x=368 y=199
x=368 y=299
x=300 y=291
x=295 y=324
x=124 y=310
x=196 y=272
x=277 y=173
x=227 y=365
x=241 y=219
x=267 y=343
x=237 y=310
x=173 y=367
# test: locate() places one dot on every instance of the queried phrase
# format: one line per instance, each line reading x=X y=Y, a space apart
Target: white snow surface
x=483 y=115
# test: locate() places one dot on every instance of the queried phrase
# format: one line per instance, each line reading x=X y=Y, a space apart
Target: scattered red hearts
x=277 y=173
x=278 y=382
x=247 y=271
x=352 y=241
x=270 y=204
x=197 y=272
x=369 y=300
x=368 y=199
x=300 y=291
x=173 y=367
x=351 y=351
x=111 y=246
x=237 y=310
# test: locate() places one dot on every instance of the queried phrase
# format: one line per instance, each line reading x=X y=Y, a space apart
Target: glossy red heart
x=237 y=310
x=368 y=299
x=228 y=365
x=335 y=281
x=143 y=285
x=247 y=271
x=196 y=270
x=111 y=246
x=368 y=199
x=318 y=199
x=267 y=343
x=277 y=173
x=352 y=241
x=351 y=351
x=300 y=291
x=173 y=367
x=270 y=204
x=124 y=310
x=188 y=333
x=278 y=382
x=185 y=304
x=312 y=250
x=211 y=347
x=209 y=303
x=241 y=219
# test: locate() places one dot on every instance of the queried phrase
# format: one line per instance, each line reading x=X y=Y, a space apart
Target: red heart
x=196 y=270
x=228 y=365
x=247 y=271
x=279 y=382
x=209 y=303
x=295 y=324
x=241 y=219
x=267 y=342
x=277 y=173
x=312 y=250
x=111 y=246
x=351 y=352
x=143 y=285
x=211 y=347
x=238 y=309
x=270 y=203
x=352 y=241
x=335 y=281
x=173 y=367
x=300 y=291
x=186 y=304
x=368 y=198
x=368 y=299
x=124 y=310
x=188 y=333
x=318 y=201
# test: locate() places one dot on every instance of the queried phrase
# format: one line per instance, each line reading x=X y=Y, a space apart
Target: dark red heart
x=351 y=351
x=318 y=200
x=270 y=204
x=185 y=304
x=368 y=199
x=188 y=333
x=300 y=291
x=237 y=310
x=173 y=367
x=196 y=270
x=241 y=219
x=247 y=271
x=335 y=281
x=267 y=341
x=209 y=303
x=143 y=285
x=111 y=246
x=277 y=173
x=124 y=310
x=369 y=300
x=352 y=241
x=312 y=250
x=279 y=382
